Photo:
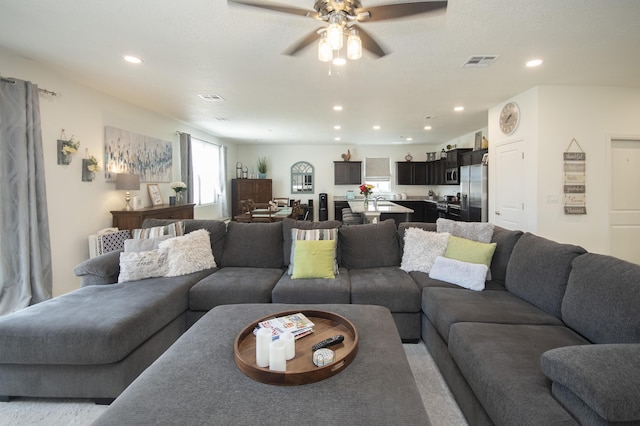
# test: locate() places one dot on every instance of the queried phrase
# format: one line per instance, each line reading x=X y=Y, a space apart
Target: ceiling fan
x=342 y=17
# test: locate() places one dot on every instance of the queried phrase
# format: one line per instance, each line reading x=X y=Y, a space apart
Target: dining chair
x=296 y=210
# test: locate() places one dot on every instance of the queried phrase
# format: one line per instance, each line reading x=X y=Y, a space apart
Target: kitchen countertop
x=409 y=198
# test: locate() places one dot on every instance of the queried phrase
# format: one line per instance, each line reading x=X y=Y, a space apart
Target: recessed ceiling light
x=337 y=108
x=409 y=139
x=427 y=127
x=336 y=139
x=337 y=127
x=376 y=127
x=534 y=63
x=210 y=97
x=459 y=108
x=133 y=59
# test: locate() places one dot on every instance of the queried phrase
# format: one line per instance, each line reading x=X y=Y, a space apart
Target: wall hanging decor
x=574 y=180
x=89 y=166
x=66 y=148
x=131 y=153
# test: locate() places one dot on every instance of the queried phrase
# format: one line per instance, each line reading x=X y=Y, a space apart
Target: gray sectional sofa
x=554 y=337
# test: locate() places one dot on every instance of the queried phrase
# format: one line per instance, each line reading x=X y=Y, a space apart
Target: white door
x=508 y=183
x=624 y=212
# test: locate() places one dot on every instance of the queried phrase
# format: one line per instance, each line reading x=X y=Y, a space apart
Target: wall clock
x=509 y=118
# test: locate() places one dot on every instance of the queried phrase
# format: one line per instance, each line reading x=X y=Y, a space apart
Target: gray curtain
x=186 y=168
x=25 y=251
x=224 y=209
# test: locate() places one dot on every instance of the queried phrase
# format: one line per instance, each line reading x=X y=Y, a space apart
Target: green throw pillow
x=313 y=259
x=470 y=251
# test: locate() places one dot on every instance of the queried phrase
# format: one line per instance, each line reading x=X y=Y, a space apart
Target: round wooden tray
x=301 y=369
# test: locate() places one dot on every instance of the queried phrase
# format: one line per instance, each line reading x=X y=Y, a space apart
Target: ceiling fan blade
x=394 y=11
x=303 y=42
x=278 y=8
x=369 y=43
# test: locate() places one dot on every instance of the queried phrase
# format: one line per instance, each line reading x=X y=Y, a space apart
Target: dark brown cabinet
x=347 y=172
x=259 y=190
x=473 y=157
x=435 y=172
x=411 y=173
x=132 y=219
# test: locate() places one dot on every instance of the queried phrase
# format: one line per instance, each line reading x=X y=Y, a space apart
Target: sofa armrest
x=604 y=377
x=100 y=270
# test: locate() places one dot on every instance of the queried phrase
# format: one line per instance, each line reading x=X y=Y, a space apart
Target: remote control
x=328 y=342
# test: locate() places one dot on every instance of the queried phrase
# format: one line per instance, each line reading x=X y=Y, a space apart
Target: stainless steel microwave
x=451 y=175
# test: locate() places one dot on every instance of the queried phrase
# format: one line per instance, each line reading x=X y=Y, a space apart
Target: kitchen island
x=382 y=210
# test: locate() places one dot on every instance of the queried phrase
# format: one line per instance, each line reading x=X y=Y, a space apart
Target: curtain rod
x=45 y=91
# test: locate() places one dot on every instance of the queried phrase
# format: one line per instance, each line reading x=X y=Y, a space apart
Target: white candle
x=263 y=340
x=289 y=345
x=277 y=360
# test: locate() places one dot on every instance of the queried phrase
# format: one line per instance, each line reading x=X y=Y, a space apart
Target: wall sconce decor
x=66 y=148
x=89 y=167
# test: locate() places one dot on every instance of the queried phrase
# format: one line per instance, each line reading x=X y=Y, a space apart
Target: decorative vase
x=366 y=202
x=179 y=197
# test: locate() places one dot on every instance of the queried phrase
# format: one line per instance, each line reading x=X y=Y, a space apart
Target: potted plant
x=262 y=167
x=66 y=148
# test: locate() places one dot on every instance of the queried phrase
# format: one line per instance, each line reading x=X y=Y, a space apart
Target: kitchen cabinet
x=347 y=172
x=132 y=219
x=435 y=172
x=431 y=212
x=258 y=190
x=411 y=173
x=418 y=208
x=454 y=157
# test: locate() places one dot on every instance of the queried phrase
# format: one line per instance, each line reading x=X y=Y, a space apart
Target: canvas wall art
x=127 y=152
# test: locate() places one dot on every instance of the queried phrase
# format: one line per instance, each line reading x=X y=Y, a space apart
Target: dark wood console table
x=132 y=219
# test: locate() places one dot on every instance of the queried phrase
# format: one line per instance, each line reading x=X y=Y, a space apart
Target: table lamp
x=127 y=182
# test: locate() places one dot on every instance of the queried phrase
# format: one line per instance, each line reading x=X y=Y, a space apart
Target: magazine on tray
x=298 y=324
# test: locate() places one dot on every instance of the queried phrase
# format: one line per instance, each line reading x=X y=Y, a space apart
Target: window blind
x=377 y=168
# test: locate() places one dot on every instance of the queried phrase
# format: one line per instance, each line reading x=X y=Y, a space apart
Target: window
x=377 y=172
x=206 y=161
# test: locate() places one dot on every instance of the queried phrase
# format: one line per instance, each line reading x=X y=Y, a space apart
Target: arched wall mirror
x=302 y=178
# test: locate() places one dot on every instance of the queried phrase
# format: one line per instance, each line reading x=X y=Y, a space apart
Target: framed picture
x=154 y=193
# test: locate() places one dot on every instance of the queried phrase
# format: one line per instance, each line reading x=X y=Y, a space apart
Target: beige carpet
x=442 y=409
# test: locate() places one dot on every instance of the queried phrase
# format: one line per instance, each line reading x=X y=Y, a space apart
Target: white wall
x=280 y=158
x=551 y=117
x=77 y=209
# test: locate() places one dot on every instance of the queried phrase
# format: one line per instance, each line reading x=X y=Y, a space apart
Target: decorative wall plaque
x=575 y=180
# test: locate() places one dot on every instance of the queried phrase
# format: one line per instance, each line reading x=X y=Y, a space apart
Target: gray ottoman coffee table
x=196 y=381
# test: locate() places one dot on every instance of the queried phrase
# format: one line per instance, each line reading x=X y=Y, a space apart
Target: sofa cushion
x=231 y=285
x=313 y=290
x=369 y=246
x=603 y=298
x=387 y=286
x=447 y=306
x=421 y=249
x=311 y=235
x=538 y=271
x=505 y=240
x=173 y=229
x=288 y=224
x=475 y=231
x=464 y=274
x=144 y=244
x=501 y=363
x=605 y=378
x=424 y=280
x=256 y=245
x=188 y=253
x=112 y=322
x=314 y=259
x=217 y=230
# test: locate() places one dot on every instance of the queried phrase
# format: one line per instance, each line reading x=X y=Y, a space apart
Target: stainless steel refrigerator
x=474 y=197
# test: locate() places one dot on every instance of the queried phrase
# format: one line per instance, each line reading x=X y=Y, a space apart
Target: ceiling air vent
x=480 y=61
x=211 y=98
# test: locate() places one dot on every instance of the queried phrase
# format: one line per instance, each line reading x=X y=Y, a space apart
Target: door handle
x=498 y=212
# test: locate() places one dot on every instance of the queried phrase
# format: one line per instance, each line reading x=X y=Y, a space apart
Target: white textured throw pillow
x=421 y=249
x=189 y=253
x=464 y=274
x=481 y=232
x=140 y=265
x=144 y=244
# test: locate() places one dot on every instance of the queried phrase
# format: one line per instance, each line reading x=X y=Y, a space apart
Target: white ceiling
x=207 y=46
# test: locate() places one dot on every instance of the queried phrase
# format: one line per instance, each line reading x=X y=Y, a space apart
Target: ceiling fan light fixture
x=354 y=46
x=325 y=54
x=334 y=32
x=339 y=61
